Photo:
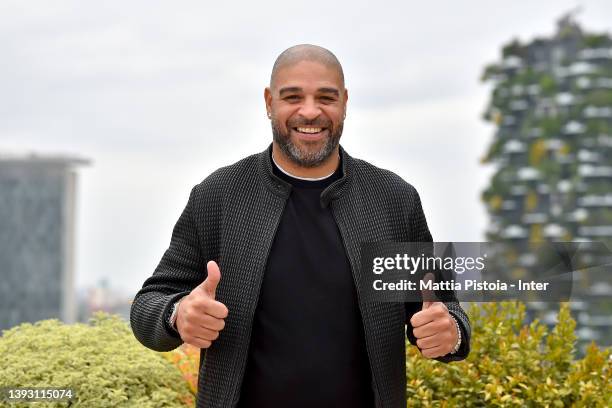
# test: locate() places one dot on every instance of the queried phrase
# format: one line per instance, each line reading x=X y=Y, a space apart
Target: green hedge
x=513 y=365
x=103 y=362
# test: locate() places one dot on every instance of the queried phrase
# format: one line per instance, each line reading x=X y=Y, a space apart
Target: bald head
x=306 y=52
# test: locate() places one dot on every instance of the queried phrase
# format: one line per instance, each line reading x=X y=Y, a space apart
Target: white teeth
x=309 y=130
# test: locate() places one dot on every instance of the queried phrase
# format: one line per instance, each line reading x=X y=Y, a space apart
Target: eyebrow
x=289 y=89
x=329 y=90
x=298 y=89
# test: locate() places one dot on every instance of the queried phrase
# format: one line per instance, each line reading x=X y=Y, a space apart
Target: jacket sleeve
x=420 y=233
x=180 y=270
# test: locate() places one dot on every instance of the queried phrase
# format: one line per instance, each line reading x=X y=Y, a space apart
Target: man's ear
x=345 y=100
x=268 y=100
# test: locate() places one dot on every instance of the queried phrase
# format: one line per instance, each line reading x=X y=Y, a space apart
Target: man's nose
x=309 y=109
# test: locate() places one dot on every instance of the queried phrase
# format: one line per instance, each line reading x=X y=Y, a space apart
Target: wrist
x=174 y=314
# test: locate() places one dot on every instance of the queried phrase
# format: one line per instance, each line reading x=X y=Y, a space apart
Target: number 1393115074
x=15 y=394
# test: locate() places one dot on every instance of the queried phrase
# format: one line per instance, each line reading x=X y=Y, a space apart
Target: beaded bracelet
x=456 y=348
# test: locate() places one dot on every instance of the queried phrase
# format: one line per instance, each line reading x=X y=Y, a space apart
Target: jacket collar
x=282 y=188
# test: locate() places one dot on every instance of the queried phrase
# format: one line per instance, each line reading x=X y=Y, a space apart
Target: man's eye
x=292 y=98
x=327 y=99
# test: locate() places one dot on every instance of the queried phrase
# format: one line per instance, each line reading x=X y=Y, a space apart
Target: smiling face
x=307 y=103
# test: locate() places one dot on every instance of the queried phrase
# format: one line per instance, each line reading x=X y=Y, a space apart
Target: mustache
x=313 y=123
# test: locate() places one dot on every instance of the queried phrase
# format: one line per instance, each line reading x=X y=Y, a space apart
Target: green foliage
x=494 y=150
x=547 y=84
x=490 y=71
x=596 y=40
x=514 y=48
x=498 y=185
x=102 y=362
x=513 y=365
x=599 y=126
x=550 y=126
x=551 y=170
x=599 y=97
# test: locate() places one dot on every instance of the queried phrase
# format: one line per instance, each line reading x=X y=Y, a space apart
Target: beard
x=311 y=156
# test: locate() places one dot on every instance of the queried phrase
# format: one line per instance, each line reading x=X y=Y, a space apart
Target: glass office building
x=37 y=228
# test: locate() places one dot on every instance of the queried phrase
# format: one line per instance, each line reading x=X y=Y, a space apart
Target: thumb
x=428 y=295
x=212 y=280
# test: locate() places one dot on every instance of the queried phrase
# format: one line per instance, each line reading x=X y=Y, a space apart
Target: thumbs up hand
x=433 y=327
x=200 y=317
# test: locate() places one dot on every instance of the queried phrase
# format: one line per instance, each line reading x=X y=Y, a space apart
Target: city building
x=37 y=228
x=551 y=104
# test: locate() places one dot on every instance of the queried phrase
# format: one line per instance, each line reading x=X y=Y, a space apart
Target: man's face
x=307 y=102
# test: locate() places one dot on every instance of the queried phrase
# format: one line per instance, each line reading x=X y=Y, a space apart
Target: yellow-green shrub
x=510 y=365
x=103 y=362
x=513 y=365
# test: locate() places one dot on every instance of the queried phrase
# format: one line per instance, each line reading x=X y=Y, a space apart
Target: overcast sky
x=158 y=95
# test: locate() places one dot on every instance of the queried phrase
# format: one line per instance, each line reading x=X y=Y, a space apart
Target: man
x=263 y=262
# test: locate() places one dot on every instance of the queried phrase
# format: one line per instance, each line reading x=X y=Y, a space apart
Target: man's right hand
x=200 y=317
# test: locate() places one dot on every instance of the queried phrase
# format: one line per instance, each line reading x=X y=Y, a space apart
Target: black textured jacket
x=231 y=217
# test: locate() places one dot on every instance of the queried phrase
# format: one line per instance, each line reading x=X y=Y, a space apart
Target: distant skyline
x=159 y=95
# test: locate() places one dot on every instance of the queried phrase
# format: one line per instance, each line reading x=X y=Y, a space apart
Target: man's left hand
x=434 y=329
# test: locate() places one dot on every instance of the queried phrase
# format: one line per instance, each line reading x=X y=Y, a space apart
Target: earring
x=269 y=116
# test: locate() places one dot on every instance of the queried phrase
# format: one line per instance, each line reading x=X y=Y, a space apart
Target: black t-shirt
x=307 y=344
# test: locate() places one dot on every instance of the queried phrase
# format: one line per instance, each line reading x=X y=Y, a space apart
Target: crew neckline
x=278 y=166
x=302 y=182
